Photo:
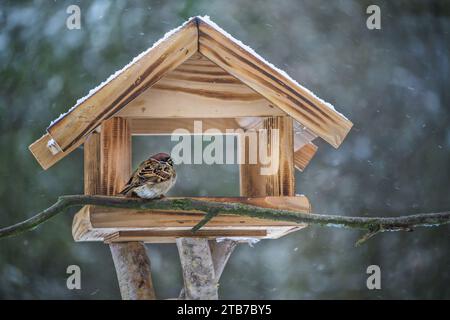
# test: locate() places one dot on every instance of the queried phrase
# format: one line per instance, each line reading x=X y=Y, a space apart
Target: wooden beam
x=103 y=217
x=133 y=270
x=115 y=139
x=70 y=130
x=296 y=101
x=44 y=156
x=281 y=183
x=175 y=106
x=303 y=156
x=169 y=236
x=198 y=269
x=167 y=126
x=92 y=165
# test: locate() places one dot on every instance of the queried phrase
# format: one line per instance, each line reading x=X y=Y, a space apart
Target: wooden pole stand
x=133 y=270
x=194 y=250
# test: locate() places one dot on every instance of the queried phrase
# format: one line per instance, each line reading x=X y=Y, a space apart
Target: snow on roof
x=118 y=72
x=207 y=20
x=270 y=65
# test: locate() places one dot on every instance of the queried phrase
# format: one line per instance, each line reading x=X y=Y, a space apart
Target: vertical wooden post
x=219 y=252
x=92 y=182
x=281 y=183
x=107 y=159
x=200 y=282
x=133 y=270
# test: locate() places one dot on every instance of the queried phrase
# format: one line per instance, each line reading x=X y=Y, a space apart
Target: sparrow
x=153 y=178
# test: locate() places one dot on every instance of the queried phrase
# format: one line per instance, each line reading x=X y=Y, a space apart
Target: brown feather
x=150 y=171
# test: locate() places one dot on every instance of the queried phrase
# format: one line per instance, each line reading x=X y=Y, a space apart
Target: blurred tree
x=392 y=83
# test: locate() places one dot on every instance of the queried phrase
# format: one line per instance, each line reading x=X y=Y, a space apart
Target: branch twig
x=372 y=225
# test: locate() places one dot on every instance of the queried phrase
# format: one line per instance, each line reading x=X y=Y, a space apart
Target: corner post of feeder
x=107 y=166
x=280 y=183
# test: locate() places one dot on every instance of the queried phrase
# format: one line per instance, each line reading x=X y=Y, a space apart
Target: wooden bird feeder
x=196 y=72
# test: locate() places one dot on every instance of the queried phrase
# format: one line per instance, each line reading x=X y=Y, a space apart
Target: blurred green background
x=392 y=83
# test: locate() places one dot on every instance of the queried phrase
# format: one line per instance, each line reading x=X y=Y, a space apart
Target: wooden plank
x=44 y=156
x=115 y=151
x=296 y=101
x=303 y=156
x=282 y=183
x=117 y=93
x=167 y=126
x=130 y=218
x=103 y=217
x=198 y=269
x=169 y=236
x=92 y=163
x=199 y=88
x=255 y=184
x=82 y=229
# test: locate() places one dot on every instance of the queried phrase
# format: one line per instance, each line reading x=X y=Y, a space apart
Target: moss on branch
x=372 y=225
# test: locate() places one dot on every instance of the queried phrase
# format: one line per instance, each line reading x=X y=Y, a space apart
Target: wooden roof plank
x=70 y=131
x=303 y=156
x=44 y=156
x=111 y=98
x=293 y=99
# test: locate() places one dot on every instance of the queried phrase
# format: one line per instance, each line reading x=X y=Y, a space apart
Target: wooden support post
x=200 y=282
x=92 y=182
x=133 y=270
x=107 y=158
x=282 y=182
x=220 y=253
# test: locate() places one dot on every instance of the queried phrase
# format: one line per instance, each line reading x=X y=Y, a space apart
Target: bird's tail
x=127 y=190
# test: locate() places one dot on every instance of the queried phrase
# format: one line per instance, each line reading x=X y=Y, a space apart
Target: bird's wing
x=149 y=172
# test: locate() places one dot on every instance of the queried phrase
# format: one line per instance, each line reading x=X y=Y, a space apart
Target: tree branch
x=372 y=225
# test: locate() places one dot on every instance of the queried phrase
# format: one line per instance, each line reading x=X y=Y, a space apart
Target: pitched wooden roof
x=198 y=34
